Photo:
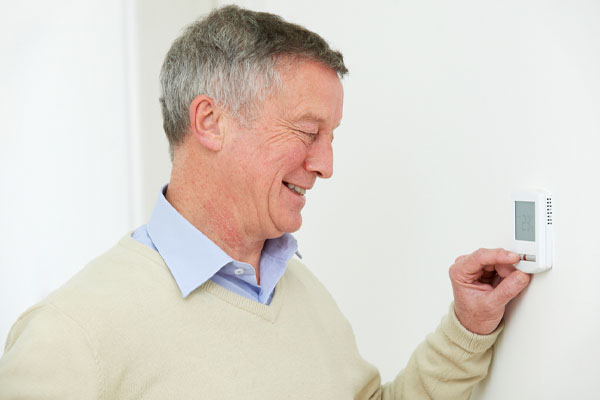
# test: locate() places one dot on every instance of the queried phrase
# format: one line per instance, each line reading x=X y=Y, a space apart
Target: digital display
x=525 y=220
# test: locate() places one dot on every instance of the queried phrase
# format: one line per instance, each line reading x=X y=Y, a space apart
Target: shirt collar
x=192 y=257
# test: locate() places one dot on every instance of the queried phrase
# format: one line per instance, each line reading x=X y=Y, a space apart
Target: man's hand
x=483 y=283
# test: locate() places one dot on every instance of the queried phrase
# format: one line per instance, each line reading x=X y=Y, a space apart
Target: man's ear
x=204 y=122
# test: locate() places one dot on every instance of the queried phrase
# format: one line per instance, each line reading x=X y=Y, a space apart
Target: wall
x=154 y=26
x=82 y=156
x=64 y=157
x=449 y=107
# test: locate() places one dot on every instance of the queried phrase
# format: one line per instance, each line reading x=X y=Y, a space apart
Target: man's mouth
x=301 y=191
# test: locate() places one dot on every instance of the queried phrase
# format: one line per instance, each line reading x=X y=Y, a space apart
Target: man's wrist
x=466 y=339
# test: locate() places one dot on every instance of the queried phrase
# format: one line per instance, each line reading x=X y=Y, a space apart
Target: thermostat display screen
x=525 y=220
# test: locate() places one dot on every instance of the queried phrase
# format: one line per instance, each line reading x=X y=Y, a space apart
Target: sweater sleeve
x=447 y=365
x=48 y=356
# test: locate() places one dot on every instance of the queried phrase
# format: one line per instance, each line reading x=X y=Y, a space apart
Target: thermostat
x=533 y=232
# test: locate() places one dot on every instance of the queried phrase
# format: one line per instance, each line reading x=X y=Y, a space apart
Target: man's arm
x=457 y=355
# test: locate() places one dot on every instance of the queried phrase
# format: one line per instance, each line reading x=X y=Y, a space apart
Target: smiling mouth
x=299 y=190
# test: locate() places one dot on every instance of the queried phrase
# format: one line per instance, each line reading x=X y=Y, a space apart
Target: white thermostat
x=533 y=232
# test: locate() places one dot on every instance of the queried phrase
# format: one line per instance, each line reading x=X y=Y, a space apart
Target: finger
x=501 y=272
x=511 y=286
x=487 y=257
x=460 y=258
x=504 y=270
x=483 y=286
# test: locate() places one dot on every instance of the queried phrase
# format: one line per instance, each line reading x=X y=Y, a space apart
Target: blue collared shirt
x=193 y=258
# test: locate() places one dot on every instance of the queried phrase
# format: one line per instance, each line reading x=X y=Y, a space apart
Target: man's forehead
x=312 y=93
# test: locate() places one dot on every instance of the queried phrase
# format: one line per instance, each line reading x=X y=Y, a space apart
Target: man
x=207 y=300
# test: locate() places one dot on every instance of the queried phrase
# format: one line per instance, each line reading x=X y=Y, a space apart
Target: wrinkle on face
x=283 y=131
x=306 y=129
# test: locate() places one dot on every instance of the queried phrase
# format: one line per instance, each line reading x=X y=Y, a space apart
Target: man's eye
x=312 y=136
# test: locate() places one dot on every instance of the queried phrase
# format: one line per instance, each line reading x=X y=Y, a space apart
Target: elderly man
x=207 y=300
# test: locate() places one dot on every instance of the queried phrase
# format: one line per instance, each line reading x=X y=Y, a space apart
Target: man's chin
x=289 y=224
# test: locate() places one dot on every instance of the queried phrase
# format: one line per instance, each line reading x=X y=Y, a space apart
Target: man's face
x=289 y=144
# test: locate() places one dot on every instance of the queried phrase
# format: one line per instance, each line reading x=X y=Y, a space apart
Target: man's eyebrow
x=310 y=116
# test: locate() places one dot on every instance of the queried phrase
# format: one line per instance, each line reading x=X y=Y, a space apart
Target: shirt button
x=239 y=271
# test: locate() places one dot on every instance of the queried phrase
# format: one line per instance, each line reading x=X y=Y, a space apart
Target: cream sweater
x=120 y=329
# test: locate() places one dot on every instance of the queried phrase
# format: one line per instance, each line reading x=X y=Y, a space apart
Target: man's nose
x=320 y=157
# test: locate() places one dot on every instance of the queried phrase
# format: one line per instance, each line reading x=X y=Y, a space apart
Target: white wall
x=449 y=107
x=82 y=155
x=155 y=24
x=64 y=154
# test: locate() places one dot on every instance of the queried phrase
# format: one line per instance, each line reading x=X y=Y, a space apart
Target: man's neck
x=208 y=213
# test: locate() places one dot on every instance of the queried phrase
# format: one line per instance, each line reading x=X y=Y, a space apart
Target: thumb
x=511 y=286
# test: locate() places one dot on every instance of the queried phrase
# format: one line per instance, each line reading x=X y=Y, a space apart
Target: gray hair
x=231 y=55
